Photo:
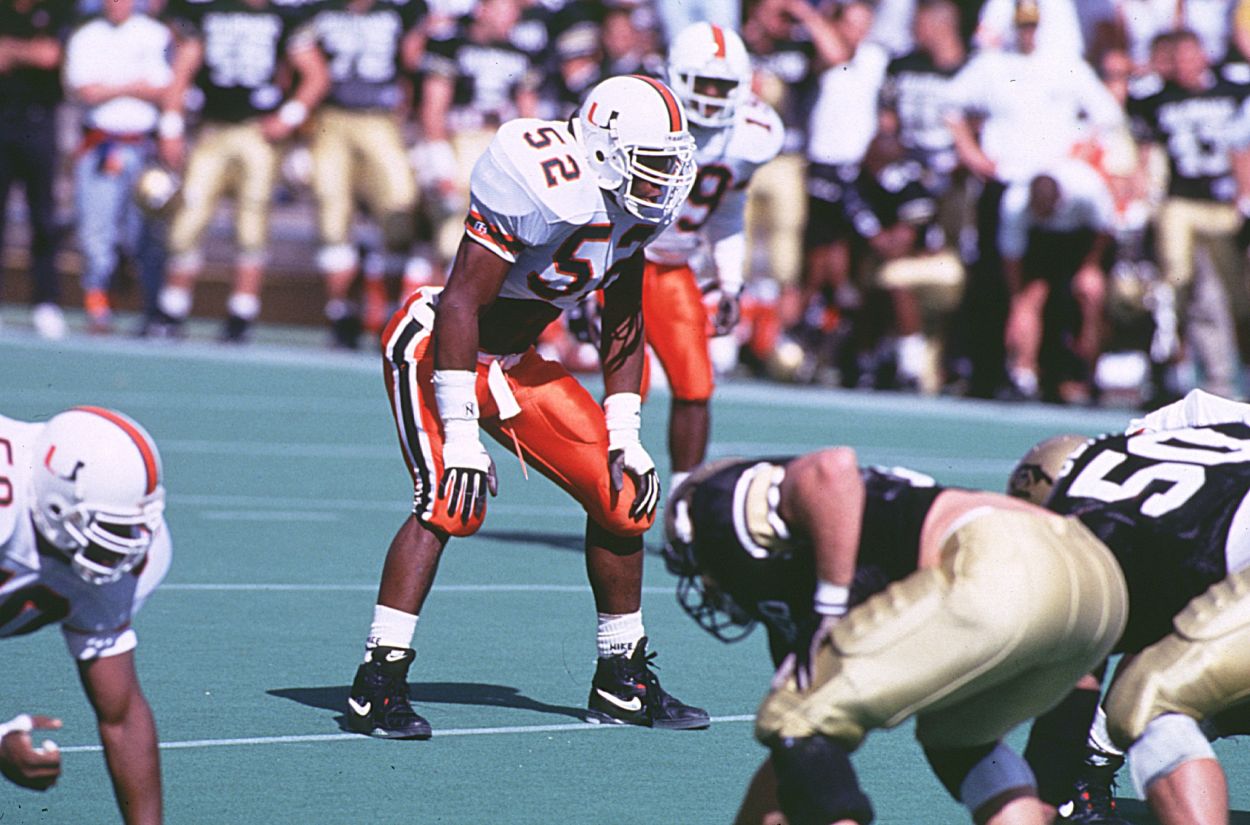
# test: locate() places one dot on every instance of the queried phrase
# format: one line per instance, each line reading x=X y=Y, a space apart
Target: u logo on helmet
x=97 y=494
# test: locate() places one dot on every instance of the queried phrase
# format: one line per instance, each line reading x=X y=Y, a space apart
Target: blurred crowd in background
x=998 y=198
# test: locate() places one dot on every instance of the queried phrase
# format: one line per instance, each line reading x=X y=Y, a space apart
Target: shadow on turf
x=334 y=698
x=558 y=541
x=1135 y=811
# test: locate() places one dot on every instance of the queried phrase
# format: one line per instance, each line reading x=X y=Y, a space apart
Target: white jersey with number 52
x=534 y=202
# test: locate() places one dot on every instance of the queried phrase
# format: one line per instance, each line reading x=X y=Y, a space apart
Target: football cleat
x=378 y=704
x=235 y=330
x=1093 y=800
x=625 y=691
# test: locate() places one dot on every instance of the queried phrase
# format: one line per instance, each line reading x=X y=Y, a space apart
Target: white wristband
x=622 y=412
x=171 y=125
x=293 y=113
x=455 y=392
x=22 y=722
x=831 y=599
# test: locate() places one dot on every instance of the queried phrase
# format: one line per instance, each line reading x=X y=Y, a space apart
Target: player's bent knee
x=998 y=772
x=441 y=521
x=614 y=541
x=1168 y=742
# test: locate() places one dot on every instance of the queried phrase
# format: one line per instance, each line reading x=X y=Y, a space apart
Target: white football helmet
x=98 y=498
x=704 y=55
x=638 y=144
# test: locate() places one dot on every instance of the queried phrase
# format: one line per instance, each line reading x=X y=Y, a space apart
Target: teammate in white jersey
x=735 y=133
x=83 y=543
x=556 y=211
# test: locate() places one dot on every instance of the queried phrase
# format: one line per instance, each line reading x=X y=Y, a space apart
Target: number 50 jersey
x=534 y=201
x=1173 y=508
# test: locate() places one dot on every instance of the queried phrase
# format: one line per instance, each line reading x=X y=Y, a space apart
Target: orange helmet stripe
x=674 y=108
x=145 y=447
x=718 y=36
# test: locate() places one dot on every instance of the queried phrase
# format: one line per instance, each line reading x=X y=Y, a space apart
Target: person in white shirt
x=1036 y=106
x=1053 y=234
x=842 y=123
x=117 y=67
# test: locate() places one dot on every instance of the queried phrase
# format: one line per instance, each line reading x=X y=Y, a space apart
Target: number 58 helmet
x=97 y=491
x=638 y=144
x=704 y=58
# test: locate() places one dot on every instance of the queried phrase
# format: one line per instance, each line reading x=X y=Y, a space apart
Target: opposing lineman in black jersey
x=885 y=597
x=1171 y=501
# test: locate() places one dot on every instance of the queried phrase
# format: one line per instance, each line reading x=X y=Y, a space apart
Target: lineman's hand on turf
x=799 y=665
x=23 y=763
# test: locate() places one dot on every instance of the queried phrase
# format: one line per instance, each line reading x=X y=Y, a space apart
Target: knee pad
x=999 y=770
x=1168 y=742
x=816 y=783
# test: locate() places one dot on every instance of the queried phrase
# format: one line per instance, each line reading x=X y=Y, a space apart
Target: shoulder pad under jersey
x=545 y=170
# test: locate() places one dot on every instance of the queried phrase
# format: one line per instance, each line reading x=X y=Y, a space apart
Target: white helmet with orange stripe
x=97 y=491
x=638 y=144
x=710 y=70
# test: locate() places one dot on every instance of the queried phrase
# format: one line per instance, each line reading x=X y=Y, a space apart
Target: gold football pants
x=1020 y=607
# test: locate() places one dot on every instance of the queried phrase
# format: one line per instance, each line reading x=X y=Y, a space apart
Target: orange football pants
x=560 y=430
x=676 y=324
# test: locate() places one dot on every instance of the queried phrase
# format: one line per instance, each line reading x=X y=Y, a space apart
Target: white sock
x=242 y=305
x=390 y=628
x=175 y=301
x=619 y=633
x=676 y=479
x=911 y=355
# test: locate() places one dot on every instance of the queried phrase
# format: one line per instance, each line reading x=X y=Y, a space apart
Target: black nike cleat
x=379 y=704
x=625 y=691
x=1093 y=799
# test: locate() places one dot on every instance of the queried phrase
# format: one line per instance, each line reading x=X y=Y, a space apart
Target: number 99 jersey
x=1172 y=507
x=716 y=205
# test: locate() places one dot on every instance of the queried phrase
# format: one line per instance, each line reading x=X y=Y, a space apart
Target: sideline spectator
x=475 y=79
x=117 y=66
x=31 y=34
x=1035 y=108
x=1191 y=115
x=233 y=55
x=357 y=149
x=1054 y=234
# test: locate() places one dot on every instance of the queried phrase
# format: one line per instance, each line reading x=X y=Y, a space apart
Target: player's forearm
x=37 y=53
x=130 y=749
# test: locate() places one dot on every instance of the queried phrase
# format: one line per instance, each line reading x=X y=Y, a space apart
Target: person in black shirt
x=886 y=596
x=232 y=51
x=32 y=34
x=1190 y=115
x=357 y=148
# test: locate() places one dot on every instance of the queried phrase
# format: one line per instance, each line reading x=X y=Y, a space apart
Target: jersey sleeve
x=503 y=215
x=1196 y=409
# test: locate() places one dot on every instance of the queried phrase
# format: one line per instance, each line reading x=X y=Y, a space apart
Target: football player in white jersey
x=557 y=210
x=735 y=133
x=83 y=543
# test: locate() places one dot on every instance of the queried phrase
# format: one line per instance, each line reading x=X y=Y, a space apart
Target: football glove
x=468 y=471
x=623 y=415
x=728 y=311
x=799 y=664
